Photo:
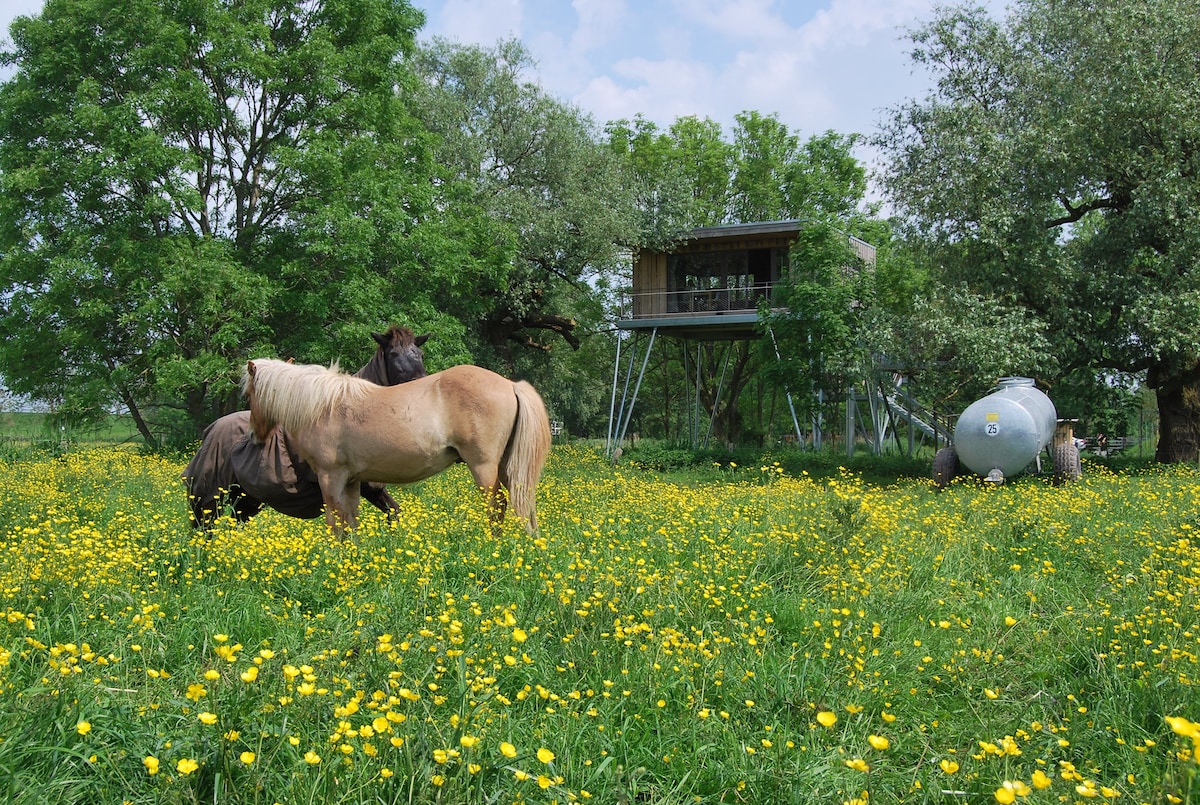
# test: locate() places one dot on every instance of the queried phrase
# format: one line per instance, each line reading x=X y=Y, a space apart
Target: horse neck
x=375 y=369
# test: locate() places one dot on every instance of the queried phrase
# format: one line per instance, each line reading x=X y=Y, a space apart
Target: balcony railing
x=694 y=302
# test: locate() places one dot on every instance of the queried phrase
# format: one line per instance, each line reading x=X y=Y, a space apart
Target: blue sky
x=816 y=64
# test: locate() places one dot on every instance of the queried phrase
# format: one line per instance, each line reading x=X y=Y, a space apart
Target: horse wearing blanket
x=352 y=431
x=231 y=468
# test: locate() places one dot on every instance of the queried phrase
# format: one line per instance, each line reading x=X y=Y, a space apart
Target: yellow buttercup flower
x=1010 y=790
x=826 y=719
x=545 y=755
x=1181 y=726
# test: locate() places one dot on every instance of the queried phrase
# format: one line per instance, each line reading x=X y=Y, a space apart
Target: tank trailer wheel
x=945 y=467
x=1067 y=466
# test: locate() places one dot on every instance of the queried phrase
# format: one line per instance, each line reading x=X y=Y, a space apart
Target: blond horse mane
x=297 y=395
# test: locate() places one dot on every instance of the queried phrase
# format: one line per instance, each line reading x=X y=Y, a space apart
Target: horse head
x=403 y=358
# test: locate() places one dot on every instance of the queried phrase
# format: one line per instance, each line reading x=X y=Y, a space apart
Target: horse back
x=408 y=432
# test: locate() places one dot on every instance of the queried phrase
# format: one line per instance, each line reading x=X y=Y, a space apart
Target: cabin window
x=721 y=281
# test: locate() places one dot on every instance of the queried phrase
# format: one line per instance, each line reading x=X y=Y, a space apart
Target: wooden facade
x=719 y=269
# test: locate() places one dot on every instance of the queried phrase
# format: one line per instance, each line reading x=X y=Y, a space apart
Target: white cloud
x=859 y=23
x=599 y=21
x=745 y=20
x=475 y=22
x=660 y=90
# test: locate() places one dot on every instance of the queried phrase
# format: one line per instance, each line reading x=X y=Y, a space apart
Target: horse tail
x=528 y=448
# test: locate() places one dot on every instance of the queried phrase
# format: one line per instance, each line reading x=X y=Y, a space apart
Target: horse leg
x=244 y=506
x=487 y=478
x=341 y=501
x=378 y=495
x=204 y=511
x=353 y=497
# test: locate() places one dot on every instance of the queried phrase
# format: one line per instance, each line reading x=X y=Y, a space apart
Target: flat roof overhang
x=744 y=230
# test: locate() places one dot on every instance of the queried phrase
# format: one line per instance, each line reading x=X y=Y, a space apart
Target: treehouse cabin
x=707 y=288
x=711 y=284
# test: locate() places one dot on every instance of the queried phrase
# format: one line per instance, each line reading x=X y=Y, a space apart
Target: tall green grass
x=740 y=634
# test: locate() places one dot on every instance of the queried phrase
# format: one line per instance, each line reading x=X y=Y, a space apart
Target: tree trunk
x=726 y=424
x=139 y=421
x=1178 y=417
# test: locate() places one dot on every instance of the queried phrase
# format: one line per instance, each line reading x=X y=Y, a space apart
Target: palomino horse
x=231 y=467
x=351 y=431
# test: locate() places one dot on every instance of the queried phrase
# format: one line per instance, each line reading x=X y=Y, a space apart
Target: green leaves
x=542 y=212
x=819 y=316
x=184 y=183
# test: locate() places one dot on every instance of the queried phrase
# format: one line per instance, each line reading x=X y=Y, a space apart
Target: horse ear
x=381 y=339
x=291 y=360
x=421 y=339
x=250 y=368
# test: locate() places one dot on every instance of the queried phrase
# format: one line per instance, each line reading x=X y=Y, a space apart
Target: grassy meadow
x=22 y=431
x=740 y=635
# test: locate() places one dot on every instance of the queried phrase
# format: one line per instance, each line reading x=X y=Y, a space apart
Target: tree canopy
x=1054 y=169
x=534 y=169
x=183 y=185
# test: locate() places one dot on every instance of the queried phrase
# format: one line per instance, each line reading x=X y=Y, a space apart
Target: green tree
x=183 y=185
x=1055 y=167
x=818 y=317
x=534 y=166
x=552 y=212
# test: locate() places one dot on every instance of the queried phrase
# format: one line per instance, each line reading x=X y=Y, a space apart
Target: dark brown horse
x=232 y=469
x=352 y=431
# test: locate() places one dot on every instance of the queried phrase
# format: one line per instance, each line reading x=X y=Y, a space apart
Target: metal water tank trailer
x=997 y=436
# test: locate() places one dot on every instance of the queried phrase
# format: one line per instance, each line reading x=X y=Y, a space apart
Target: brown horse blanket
x=272 y=473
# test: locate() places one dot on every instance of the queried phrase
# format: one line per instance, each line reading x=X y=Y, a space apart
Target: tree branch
x=1074 y=213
